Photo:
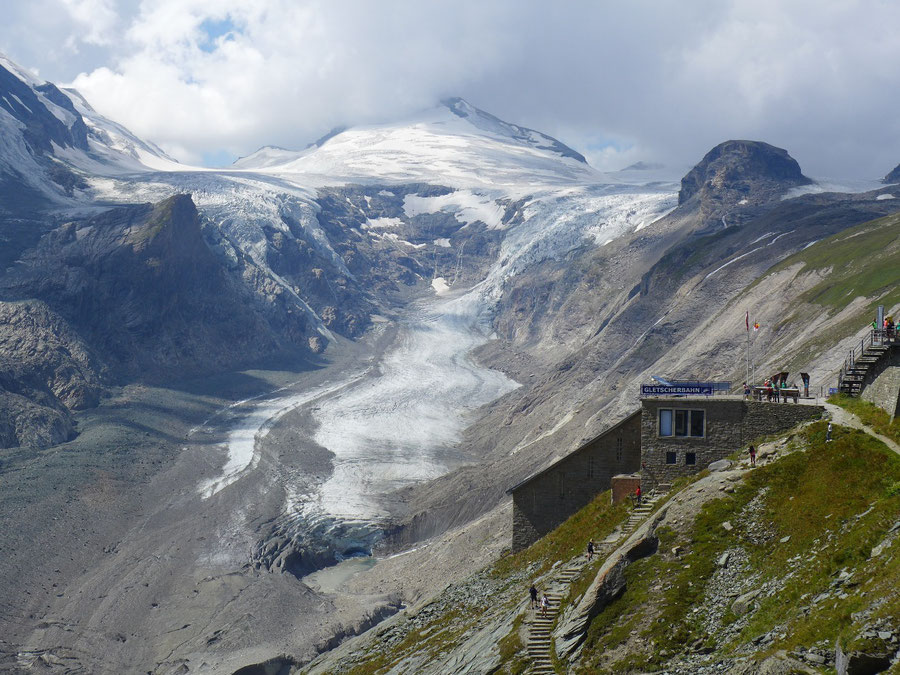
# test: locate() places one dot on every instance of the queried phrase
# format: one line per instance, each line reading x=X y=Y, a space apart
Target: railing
x=879 y=337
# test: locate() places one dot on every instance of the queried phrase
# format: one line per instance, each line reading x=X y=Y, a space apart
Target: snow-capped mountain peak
x=453 y=143
x=487 y=122
x=46 y=131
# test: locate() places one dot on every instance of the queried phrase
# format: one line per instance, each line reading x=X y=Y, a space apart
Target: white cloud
x=665 y=79
x=97 y=19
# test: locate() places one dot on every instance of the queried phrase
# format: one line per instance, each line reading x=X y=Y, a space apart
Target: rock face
x=740 y=173
x=143 y=288
x=46 y=370
x=893 y=176
x=134 y=293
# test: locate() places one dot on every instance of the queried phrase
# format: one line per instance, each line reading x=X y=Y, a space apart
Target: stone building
x=682 y=435
x=548 y=498
x=666 y=438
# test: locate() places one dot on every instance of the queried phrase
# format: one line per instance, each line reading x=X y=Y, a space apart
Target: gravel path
x=848 y=419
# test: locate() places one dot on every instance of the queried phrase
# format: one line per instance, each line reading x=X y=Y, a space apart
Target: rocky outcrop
x=607 y=585
x=46 y=370
x=25 y=423
x=734 y=171
x=893 y=176
x=143 y=289
x=134 y=293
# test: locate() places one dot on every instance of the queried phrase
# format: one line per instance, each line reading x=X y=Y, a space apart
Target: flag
x=748 y=321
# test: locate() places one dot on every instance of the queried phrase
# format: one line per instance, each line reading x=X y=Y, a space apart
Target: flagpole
x=749 y=379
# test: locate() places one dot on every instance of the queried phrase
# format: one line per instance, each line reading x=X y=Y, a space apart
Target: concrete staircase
x=562 y=576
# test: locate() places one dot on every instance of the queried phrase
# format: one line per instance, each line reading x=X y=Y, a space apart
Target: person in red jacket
x=637 y=495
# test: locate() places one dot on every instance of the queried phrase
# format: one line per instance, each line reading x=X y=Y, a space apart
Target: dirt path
x=848 y=419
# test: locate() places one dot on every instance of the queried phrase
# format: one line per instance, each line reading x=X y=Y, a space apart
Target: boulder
x=720 y=465
x=860 y=663
x=744 y=603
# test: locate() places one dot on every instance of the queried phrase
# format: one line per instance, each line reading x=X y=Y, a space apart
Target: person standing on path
x=637 y=496
x=752 y=456
x=533 y=592
x=828 y=433
x=590 y=549
x=544 y=604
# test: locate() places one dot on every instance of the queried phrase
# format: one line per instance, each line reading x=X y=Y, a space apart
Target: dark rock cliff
x=142 y=287
x=736 y=181
x=134 y=293
x=893 y=176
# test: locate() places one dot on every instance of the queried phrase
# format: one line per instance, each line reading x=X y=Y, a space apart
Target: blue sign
x=832 y=390
x=676 y=390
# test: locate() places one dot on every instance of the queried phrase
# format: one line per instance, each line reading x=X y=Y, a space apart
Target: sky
x=658 y=81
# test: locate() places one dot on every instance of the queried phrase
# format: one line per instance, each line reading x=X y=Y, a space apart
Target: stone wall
x=730 y=425
x=624 y=485
x=884 y=388
x=547 y=499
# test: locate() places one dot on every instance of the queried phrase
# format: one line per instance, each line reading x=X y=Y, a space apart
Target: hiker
x=637 y=496
x=746 y=390
x=752 y=456
x=533 y=592
x=828 y=433
x=590 y=549
x=544 y=604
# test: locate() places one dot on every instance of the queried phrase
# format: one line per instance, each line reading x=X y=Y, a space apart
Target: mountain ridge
x=430 y=233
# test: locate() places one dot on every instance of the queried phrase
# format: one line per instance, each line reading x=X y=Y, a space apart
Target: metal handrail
x=874 y=336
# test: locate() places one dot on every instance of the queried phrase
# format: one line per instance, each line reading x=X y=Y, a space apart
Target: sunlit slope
x=863 y=261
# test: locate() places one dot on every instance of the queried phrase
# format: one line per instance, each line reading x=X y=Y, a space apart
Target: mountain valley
x=248 y=413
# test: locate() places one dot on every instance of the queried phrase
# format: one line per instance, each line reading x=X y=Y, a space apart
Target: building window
x=561 y=481
x=682 y=423
x=665 y=422
x=590 y=467
x=619 y=450
x=670 y=458
x=690 y=458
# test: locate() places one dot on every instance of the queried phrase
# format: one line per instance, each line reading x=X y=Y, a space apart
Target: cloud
x=97 y=19
x=659 y=81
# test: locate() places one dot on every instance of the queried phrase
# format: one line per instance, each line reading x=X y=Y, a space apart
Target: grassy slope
x=798 y=524
x=509 y=578
x=835 y=501
x=871 y=415
x=861 y=261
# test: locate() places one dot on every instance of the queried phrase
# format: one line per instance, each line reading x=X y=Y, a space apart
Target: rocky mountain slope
x=669 y=300
x=356 y=275
x=893 y=176
x=132 y=293
x=739 y=571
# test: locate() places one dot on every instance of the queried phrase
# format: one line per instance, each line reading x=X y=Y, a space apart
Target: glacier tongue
x=403 y=425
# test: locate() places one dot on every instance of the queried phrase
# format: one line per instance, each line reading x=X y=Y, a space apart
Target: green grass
x=835 y=501
x=869 y=414
x=598 y=519
x=444 y=631
x=512 y=650
x=862 y=261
